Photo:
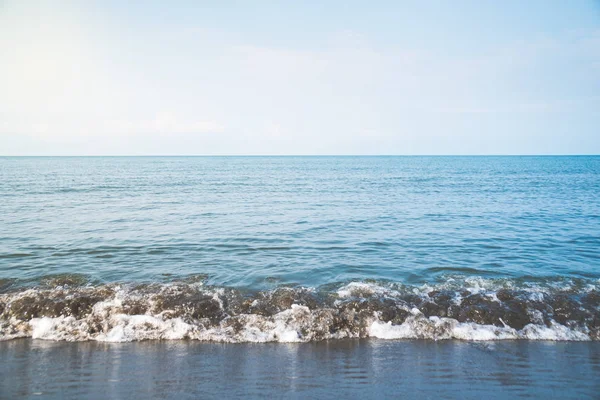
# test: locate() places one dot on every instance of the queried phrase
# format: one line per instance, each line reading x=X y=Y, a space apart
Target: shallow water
x=342 y=369
x=299 y=248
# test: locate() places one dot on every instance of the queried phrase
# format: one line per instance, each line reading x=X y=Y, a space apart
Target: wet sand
x=329 y=369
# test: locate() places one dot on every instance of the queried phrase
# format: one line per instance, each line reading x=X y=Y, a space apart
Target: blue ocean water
x=258 y=249
x=261 y=222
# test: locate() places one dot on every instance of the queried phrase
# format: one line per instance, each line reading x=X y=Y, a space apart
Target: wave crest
x=466 y=309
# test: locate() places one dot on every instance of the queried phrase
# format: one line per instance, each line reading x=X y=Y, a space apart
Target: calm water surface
x=261 y=222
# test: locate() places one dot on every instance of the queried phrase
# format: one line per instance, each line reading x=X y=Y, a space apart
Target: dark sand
x=335 y=369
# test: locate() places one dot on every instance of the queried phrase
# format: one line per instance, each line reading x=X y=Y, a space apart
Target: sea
x=200 y=251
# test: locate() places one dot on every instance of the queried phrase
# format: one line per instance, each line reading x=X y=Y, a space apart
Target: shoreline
x=348 y=368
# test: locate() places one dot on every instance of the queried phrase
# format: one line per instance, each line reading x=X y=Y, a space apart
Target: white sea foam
x=419 y=327
x=363 y=289
x=286 y=326
x=361 y=309
x=60 y=328
x=127 y=328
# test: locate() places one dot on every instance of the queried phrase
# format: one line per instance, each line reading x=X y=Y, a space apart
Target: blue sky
x=265 y=77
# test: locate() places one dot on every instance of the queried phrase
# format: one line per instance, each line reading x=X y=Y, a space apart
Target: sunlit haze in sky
x=308 y=77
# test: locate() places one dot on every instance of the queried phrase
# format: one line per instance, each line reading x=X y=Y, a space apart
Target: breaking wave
x=458 y=308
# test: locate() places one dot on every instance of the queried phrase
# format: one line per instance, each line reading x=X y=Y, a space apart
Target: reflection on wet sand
x=343 y=368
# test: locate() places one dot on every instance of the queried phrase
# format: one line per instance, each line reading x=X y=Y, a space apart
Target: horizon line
x=303 y=155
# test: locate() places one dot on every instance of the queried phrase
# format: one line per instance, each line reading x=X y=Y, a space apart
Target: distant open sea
x=258 y=249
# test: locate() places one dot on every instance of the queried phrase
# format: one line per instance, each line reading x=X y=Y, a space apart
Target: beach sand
x=329 y=369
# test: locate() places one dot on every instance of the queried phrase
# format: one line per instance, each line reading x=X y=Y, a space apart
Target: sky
x=311 y=77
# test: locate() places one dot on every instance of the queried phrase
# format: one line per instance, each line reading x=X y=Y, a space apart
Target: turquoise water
x=260 y=222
